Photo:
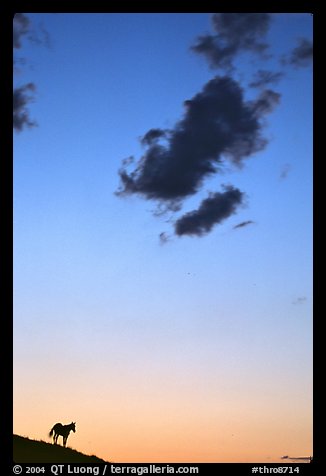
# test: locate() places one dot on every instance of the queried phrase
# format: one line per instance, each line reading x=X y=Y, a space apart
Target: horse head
x=73 y=426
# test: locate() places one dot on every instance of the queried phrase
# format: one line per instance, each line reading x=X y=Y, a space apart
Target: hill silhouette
x=32 y=451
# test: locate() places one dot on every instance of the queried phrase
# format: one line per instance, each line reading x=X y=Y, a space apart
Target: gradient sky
x=197 y=349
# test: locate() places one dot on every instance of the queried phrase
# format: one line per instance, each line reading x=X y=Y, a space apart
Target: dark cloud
x=263 y=77
x=285 y=171
x=300 y=56
x=21 y=97
x=243 y=224
x=213 y=210
x=21 y=27
x=234 y=33
x=164 y=238
x=152 y=136
x=218 y=125
x=266 y=102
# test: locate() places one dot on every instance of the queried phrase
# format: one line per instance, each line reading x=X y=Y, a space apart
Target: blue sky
x=98 y=297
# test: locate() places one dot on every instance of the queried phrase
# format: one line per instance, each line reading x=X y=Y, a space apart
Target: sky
x=163 y=234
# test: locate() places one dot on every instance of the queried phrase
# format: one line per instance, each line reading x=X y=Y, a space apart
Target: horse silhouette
x=63 y=430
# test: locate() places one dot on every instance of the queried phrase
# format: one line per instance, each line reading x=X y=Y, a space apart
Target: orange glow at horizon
x=168 y=423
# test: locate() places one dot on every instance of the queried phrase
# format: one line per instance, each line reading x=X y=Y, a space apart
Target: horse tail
x=51 y=432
